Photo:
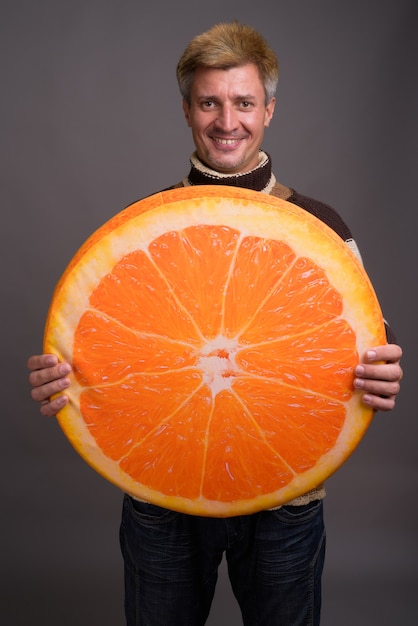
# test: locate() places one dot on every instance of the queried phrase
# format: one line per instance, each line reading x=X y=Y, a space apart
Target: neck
x=258 y=179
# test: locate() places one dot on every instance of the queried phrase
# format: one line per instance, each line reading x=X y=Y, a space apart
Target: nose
x=227 y=120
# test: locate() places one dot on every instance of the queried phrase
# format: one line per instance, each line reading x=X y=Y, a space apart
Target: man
x=227 y=77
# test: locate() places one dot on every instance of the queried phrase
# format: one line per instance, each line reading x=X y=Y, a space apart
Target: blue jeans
x=275 y=561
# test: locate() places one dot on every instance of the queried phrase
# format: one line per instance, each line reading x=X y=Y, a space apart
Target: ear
x=186 y=109
x=269 y=112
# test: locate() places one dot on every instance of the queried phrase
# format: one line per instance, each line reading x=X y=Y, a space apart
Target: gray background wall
x=91 y=121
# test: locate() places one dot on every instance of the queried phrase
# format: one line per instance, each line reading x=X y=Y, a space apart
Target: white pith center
x=217 y=363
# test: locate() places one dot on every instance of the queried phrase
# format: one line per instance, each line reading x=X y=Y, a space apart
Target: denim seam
x=312 y=579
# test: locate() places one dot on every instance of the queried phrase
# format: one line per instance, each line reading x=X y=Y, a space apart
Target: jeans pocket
x=148 y=514
x=291 y=514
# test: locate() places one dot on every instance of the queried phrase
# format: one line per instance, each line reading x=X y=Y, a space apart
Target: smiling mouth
x=225 y=142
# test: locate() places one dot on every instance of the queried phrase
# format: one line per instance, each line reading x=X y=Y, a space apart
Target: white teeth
x=225 y=142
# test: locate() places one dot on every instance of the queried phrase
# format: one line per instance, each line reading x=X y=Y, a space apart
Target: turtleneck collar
x=258 y=179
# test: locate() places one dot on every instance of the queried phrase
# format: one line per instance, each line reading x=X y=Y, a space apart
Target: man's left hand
x=378 y=376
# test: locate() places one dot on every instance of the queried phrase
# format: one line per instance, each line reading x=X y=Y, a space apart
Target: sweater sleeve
x=330 y=217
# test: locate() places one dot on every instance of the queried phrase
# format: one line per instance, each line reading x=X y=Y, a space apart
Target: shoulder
x=176 y=186
x=322 y=211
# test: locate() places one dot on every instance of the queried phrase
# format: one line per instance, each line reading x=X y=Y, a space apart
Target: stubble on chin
x=219 y=165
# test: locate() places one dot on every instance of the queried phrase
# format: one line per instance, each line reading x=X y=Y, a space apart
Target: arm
x=48 y=377
x=379 y=376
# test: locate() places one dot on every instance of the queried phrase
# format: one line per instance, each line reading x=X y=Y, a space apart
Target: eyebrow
x=238 y=97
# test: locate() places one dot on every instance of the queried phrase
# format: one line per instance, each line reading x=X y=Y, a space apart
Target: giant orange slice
x=213 y=333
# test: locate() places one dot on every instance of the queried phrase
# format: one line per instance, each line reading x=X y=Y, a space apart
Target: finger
x=379 y=403
x=39 y=361
x=48 y=374
x=42 y=393
x=381 y=388
x=384 y=372
x=51 y=408
x=391 y=353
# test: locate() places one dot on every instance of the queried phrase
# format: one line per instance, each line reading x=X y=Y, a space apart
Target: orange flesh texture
x=214 y=367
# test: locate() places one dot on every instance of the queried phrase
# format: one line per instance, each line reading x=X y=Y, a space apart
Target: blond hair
x=225 y=46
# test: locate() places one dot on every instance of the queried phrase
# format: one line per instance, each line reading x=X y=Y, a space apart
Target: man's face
x=228 y=115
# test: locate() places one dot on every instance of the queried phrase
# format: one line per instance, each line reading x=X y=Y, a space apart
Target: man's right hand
x=47 y=378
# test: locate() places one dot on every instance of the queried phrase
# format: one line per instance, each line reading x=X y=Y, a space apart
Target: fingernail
x=358 y=383
x=65 y=369
x=371 y=355
x=360 y=370
x=50 y=360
